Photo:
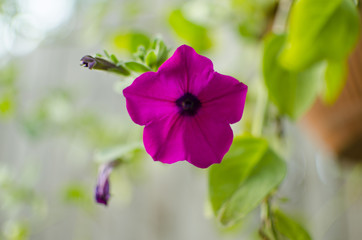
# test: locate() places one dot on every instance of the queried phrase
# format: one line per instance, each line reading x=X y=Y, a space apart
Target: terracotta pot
x=339 y=127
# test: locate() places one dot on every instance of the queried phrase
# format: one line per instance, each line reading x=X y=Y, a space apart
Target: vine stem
x=279 y=25
x=259 y=114
x=267 y=230
x=281 y=17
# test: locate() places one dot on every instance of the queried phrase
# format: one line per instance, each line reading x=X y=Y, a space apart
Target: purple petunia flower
x=187 y=109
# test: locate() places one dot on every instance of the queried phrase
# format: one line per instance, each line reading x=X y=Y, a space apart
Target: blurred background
x=60 y=121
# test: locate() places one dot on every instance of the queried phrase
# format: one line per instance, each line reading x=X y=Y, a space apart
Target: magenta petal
x=206 y=141
x=150 y=97
x=163 y=139
x=192 y=71
x=224 y=98
x=196 y=139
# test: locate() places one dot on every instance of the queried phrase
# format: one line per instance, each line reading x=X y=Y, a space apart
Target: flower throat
x=188 y=104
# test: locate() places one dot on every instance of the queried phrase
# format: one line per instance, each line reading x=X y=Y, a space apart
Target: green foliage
x=253 y=17
x=161 y=52
x=291 y=92
x=151 y=58
x=322 y=31
x=308 y=18
x=137 y=67
x=148 y=56
x=335 y=76
x=289 y=227
x=249 y=172
x=193 y=34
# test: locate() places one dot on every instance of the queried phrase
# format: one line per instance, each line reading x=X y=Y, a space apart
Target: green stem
x=281 y=17
x=267 y=230
x=259 y=115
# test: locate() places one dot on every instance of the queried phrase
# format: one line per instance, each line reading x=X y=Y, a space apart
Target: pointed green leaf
x=151 y=58
x=137 y=67
x=114 y=59
x=161 y=52
x=106 y=54
x=291 y=92
x=248 y=173
x=289 y=227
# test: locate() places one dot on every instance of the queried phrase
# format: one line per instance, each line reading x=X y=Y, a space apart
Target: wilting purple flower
x=187 y=109
x=102 y=188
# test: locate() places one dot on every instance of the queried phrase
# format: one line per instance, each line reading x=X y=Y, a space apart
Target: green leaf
x=161 y=52
x=195 y=35
x=248 y=173
x=318 y=30
x=106 y=54
x=289 y=227
x=243 y=155
x=114 y=59
x=151 y=58
x=141 y=53
x=291 y=92
x=137 y=67
x=338 y=38
x=335 y=78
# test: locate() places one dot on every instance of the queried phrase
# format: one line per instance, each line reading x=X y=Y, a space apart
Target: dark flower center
x=188 y=104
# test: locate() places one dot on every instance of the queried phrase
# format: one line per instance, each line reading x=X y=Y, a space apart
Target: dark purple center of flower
x=188 y=104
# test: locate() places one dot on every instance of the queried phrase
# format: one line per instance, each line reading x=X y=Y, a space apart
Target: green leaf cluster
x=321 y=34
x=320 y=30
x=148 y=56
x=250 y=171
x=292 y=92
x=253 y=17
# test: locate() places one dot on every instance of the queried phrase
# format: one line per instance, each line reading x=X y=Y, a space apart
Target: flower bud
x=102 y=64
x=102 y=188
